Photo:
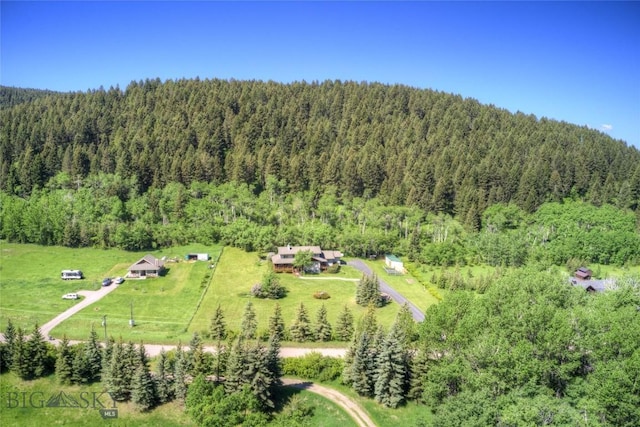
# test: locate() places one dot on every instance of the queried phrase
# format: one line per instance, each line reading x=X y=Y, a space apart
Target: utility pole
x=104 y=324
x=131 y=322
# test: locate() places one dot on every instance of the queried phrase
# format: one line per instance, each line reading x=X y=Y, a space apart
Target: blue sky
x=572 y=61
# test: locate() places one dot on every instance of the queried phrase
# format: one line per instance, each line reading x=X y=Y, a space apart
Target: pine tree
x=106 y=359
x=368 y=291
x=37 y=352
x=407 y=324
x=164 y=386
x=300 y=330
x=20 y=363
x=274 y=364
x=64 y=362
x=344 y=326
x=236 y=366
x=80 y=371
x=180 y=374
x=218 y=333
x=362 y=369
x=143 y=359
x=9 y=339
x=249 y=323
x=276 y=324
x=143 y=393
x=93 y=356
x=323 y=329
x=391 y=369
x=197 y=358
x=257 y=374
x=117 y=384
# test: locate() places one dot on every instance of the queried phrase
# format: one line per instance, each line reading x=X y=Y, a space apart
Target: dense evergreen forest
x=368 y=169
x=403 y=145
x=365 y=167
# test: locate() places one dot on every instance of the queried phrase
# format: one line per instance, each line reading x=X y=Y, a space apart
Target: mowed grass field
x=238 y=271
x=162 y=307
x=169 y=309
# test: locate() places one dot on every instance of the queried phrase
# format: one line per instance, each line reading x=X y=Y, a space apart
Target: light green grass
x=325 y=413
x=238 y=271
x=37 y=392
x=168 y=415
x=407 y=285
x=162 y=306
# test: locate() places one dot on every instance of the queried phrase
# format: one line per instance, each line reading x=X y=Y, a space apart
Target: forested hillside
x=10 y=96
x=365 y=167
x=406 y=146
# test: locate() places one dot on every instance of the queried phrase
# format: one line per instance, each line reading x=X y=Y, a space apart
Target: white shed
x=394 y=263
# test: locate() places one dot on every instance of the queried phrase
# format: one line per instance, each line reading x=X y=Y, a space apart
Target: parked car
x=70 y=296
x=118 y=280
x=106 y=282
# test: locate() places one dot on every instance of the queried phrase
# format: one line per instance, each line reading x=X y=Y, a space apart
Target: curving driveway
x=352 y=408
x=418 y=315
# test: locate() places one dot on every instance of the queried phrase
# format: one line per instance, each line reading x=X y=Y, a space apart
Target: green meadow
x=171 y=308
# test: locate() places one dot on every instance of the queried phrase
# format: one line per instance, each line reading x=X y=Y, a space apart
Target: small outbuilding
x=583 y=273
x=197 y=257
x=393 y=264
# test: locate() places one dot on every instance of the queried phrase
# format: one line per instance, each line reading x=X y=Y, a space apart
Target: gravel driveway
x=418 y=315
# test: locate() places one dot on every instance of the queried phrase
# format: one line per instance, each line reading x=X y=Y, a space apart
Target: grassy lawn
x=168 y=415
x=162 y=307
x=405 y=284
x=238 y=271
x=409 y=414
x=170 y=308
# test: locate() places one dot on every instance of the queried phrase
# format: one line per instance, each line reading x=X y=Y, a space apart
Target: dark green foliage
x=368 y=291
x=276 y=324
x=64 y=362
x=531 y=351
x=322 y=327
x=254 y=366
x=313 y=366
x=118 y=380
x=180 y=375
x=300 y=330
x=93 y=357
x=249 y=324
x=211 y=406
x=344 y=325
x=270 y=287
x=392 y=365
x=39 y=358
x=164 y=379
x=143 y=391
x=360 y=372
x=9 y=338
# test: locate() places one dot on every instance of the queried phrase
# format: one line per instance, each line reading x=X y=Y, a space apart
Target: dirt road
x=351 y=407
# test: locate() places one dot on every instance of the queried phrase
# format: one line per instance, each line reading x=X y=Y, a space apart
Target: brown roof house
x=583 y=273
x=322 y=259
x=147 y=266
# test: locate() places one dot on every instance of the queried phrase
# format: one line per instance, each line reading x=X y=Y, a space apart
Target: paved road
x=352 y=408
x=386 y=288
x=89 y=298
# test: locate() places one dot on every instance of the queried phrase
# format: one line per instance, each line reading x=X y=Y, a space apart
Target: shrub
x=335 y=268
x=313 y=366
x=321 y=295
